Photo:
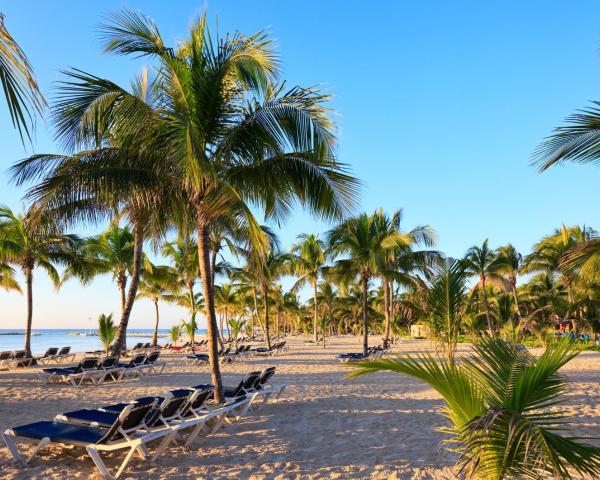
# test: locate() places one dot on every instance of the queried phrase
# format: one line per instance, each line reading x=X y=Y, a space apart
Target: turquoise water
x=11 y=339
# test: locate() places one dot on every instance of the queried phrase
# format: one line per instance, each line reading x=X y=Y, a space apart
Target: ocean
x=79 y=340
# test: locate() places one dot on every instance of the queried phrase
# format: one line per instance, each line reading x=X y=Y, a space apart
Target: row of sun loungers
x=275 y=349
x=177 y=417
x=373 y=353
x=96 y=371
x=10 y=360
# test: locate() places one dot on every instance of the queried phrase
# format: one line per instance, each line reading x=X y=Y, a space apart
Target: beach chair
x=245 y=386
x=152 y=365
x=49 y=356
x=86 y=369
x=16 y=359
x=65 y=355
x=131 y=369
x=108 y=367
x=197 y=359
x=264 y=388
x=125 y=433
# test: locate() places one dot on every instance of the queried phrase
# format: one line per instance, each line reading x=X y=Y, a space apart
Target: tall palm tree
x=267 y=269
x=308 y=260
x=367 y=245
x=222 y=155
x=111 y=174
x=21 y=91
x=510 y=263
x=484 y=263
x=111 y=251
x=28 y=245
x=156 y=284
x=226 y=302
x=183 y=255
x=404 y=264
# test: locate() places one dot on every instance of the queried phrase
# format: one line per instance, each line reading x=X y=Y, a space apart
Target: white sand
x=380 y=426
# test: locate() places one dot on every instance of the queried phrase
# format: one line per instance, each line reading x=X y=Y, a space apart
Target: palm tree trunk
x=192 y=295
x=514 y=289
x=156 y=318
x=487 y=309
x=28 y=271
x=365 y=293
x=277 y=314
x=120 y=342
x=122 y=284
x=257 y=314
x=386 y=307
x=316 y=312
x=265 y=294
x=209 y=306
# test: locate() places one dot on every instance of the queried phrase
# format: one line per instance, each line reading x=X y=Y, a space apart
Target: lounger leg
x=42 y=443
x=218 y=423
x=95 y=456
x=8 y=439
x=195 y=432
x=163 y=446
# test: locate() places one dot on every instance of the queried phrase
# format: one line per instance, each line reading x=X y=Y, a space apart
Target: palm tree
x=267 y=269
x=183 y=255
x=156 y=284
x=194 y=305
x=29 y=244
x=111 y=251
x=225 y=302
x=308 y=259
x=447 y=302
x=235 y=326
x=21 y=91
x=366 y=244
x=510 y=262
x=484 y=262
x=497 y=400
x=218 y=157
x=92 y=184
x=175 y=333
x=106 y=330
x=403 y=265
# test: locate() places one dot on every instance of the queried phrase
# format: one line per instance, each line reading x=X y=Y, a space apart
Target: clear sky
x=439 y=104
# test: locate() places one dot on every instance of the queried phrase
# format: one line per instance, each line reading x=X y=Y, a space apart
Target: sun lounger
x=124 y=433
x=197 y=358
x=245 y=386
x=131 y=369
x=373 y=353
x=50 y=355
x=65 y=355
x=89 y=369
x=15 y=359
x=152 y=365
x=264 y=388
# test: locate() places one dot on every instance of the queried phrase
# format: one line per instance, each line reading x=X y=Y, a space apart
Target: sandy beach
x=324 y=426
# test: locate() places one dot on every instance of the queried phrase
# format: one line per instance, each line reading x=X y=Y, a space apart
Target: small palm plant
x=500 y=401
x=190 y=328
x=323 y=323
x=235 y=327
x=106 y=330
x=175 y=333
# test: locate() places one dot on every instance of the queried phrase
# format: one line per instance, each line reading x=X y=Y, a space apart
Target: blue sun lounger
x=125 y=432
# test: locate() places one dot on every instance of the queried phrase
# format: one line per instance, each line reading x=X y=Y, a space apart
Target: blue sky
x=439 y=106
